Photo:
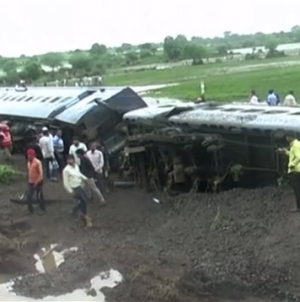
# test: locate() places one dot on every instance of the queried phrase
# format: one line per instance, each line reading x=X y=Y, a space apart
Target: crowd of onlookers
x=83 y=169
x=273 y=99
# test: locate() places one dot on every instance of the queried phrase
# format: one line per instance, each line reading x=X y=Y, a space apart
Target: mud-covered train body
x=208 y=146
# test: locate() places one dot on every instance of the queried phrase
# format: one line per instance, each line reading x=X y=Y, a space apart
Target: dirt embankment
x=234 y=245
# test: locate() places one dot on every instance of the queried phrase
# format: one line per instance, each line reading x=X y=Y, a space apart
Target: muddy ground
x=233 y=246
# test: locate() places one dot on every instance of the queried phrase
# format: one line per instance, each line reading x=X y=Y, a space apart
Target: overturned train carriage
x=208 y=146
x=91 y=113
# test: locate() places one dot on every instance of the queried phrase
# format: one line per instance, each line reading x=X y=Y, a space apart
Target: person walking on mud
x=293 y=166
x=88 y=170
x=35 y=181
x=97 y=159
x=72 y=180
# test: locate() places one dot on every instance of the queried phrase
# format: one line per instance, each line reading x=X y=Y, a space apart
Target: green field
x=224 y=82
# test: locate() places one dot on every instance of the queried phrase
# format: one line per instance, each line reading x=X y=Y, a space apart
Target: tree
x=31 y=71
x=9 y=66
x=222 y=50
x=148 y=47
x=131 y=58
x=98 y=49
x=196 y=52
x=271 y=44
x=12 y=78
x=171 y=48
x=145 y=53
x=81 y=63
x=52 y=59
x=295 y=32
x=125 y=47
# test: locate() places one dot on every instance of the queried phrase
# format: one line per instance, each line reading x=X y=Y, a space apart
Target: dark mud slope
x=238 y=244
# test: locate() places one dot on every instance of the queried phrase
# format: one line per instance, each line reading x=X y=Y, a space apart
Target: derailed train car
x=91 y=113
x=208 y=146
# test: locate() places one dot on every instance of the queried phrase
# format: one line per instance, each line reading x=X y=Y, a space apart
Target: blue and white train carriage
x=91 y=113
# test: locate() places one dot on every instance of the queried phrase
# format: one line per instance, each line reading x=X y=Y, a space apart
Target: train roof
x=64 y=104
x=39 y=103
x=229 y=116
x=154 y=111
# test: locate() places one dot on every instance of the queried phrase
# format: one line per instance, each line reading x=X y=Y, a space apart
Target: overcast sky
x=38 y=26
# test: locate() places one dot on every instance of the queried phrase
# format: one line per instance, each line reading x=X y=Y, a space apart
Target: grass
x=7 y=173
x=236 y=86
x=223 y=82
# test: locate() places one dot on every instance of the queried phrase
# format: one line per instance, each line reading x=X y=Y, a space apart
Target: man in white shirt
x=76 y=146
x=47 y=148
x=73 y=180
x=97 y=159
x=290 y=100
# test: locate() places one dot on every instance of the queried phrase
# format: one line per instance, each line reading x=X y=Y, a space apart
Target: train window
x=231 y=109
x=253 y=110
x=45 y=99
x=28 y=99
x=210 y=108
x=55 y=100
x=20 y=99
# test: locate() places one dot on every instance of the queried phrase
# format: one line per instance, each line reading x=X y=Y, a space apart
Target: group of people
x=84 y=171
x=273 y=99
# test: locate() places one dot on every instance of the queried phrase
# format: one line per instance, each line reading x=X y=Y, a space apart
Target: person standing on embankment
x=293 y=166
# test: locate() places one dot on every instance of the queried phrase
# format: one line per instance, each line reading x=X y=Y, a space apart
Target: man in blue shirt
x=59 y=148
x=272 y=99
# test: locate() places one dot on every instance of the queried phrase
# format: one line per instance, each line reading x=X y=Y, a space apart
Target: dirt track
x=237 y=245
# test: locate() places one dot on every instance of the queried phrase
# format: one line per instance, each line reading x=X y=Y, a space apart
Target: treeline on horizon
x=99 y=59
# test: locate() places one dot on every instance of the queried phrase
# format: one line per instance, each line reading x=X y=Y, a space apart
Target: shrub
x=7 y=173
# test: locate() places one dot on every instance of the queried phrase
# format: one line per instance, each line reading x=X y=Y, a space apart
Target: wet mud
x=239 y=245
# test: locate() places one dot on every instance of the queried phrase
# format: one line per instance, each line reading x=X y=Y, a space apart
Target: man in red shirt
x=5 y=140
x=35 y=181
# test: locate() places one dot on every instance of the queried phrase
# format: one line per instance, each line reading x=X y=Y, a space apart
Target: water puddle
x=50 y=258
x=107 y=279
